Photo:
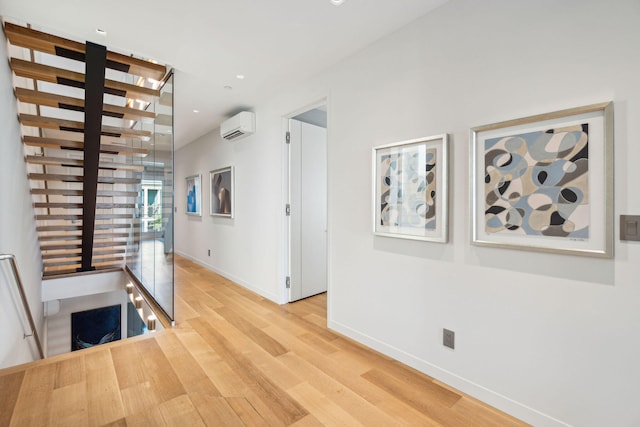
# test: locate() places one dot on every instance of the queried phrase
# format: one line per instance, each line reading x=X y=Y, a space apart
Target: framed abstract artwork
x=222 y=192
x=545 y=182
x=410 y=189
x=194 y=195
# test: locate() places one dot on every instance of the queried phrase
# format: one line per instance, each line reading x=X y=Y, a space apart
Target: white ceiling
x=273 y=43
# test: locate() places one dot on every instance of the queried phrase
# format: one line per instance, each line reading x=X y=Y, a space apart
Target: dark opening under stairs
x=85 y=112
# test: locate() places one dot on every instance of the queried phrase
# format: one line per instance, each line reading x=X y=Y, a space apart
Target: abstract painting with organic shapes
x=536 y=184
x=408 y=188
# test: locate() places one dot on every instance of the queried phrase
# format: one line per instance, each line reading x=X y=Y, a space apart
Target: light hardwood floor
x=234 y=359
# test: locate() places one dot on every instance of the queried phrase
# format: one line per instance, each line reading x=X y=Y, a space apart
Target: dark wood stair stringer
x=96 y=62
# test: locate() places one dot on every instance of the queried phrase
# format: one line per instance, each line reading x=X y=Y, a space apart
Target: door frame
x=285 y=293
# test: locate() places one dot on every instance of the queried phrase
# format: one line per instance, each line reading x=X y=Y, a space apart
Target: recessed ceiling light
x=337 y=2
x=101 y=32
x=196 y=111
x=240 y=77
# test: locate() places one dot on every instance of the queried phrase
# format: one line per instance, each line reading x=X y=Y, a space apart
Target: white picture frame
x=411 y=189
x=193 y=197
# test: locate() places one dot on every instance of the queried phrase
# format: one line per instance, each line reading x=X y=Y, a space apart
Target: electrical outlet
x=448 y=338
x=209 y=252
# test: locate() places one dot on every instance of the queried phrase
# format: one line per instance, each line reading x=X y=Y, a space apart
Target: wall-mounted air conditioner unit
x=238 y=126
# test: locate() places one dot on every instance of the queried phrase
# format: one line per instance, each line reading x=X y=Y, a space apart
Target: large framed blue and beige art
x=410 y=189
x=545 y=182
x=194 y=195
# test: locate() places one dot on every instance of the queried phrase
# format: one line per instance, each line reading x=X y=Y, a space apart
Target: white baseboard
x=272 y=297
x=497 y=400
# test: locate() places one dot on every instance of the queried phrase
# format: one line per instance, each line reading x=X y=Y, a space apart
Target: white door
x=308 y=192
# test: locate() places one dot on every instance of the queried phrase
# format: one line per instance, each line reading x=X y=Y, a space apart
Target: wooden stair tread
x=36 y=141
x=50 y=273
x=78 y=217
x=78 y=261
x=63 y=124
x=66 y=237
x=48 y=73
x=75 y=193
x=79 y=245
x=166 y=99
x=76 y=253
x=78 y=178
x=75 y=227
x=30 y=96
x=48 y=43
x=164 y=120
x=49 y=205
x=65 y=161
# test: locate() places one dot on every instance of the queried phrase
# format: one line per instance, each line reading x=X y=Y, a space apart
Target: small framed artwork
x=545 y=183
x=222 y=192
x=194 y=195
x=410 y=189
x=94 y=327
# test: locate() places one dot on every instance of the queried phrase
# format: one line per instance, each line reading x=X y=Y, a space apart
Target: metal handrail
x=25 y=303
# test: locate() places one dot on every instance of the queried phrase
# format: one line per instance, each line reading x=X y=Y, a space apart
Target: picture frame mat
x=440 y=144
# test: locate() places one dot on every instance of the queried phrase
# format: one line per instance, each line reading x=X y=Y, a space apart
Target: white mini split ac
x=238 y=126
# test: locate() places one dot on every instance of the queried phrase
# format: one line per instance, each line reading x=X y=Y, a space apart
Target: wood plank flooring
x=234 y=359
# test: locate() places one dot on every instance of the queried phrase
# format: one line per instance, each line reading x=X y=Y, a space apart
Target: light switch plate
x=630 y=227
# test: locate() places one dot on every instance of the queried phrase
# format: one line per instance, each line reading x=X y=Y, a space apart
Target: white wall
x=552 y=339
x=242 y=248
x=17 y=226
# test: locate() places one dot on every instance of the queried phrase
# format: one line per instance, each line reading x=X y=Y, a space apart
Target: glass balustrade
x=150 y=248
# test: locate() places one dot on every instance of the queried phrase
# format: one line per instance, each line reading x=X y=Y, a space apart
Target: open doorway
x=307 y=219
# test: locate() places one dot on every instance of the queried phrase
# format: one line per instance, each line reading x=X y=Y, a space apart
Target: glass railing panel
x=150 y=250
x=163 y=239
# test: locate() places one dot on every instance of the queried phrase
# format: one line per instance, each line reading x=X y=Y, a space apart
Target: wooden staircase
x=85 y=115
